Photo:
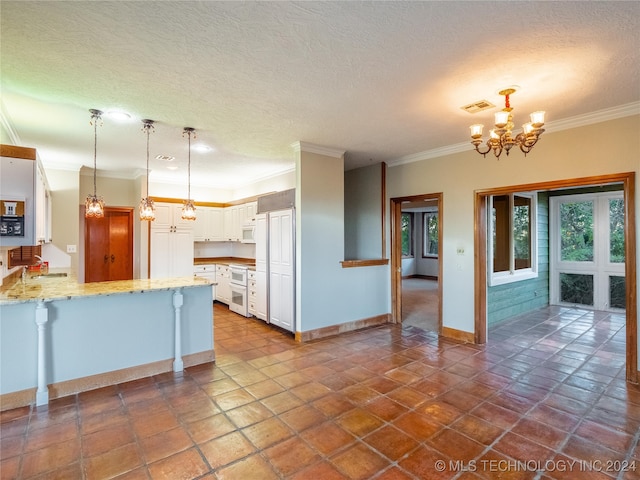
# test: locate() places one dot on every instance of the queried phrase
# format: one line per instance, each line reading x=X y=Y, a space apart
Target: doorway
x=109 y=246
x=482 y=205
x=416 y=241
x=587 y=260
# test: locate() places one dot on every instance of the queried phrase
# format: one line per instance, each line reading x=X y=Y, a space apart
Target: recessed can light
x=119 y=115
x=201 y=147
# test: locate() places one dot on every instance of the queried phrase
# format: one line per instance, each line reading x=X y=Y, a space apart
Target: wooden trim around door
x=396 y=254
x=480 y=257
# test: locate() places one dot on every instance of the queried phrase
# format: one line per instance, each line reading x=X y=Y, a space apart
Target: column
x=178 y=300
x=42 y=316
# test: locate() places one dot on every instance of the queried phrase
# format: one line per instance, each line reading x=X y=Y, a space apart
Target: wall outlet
x=71 y=249
x=460 y=250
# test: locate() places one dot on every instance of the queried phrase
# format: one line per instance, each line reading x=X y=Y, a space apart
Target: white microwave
x=248 y=233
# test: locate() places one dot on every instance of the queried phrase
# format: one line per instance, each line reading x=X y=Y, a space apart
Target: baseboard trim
x=77 y=385
x=458 y=335
x=334 y=330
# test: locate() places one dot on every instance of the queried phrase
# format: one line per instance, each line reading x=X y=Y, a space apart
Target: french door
x=587 y=256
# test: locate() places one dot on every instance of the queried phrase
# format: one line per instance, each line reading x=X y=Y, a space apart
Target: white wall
x=599 y=149
x=363 y=213
x=277 y=183
x=326 y=293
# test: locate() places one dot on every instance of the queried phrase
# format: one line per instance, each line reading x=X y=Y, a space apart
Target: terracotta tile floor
x=545 y=398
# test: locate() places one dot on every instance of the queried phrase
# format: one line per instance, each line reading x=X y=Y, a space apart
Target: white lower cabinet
x=223 y=278
x=208 y=272
x=252 y=292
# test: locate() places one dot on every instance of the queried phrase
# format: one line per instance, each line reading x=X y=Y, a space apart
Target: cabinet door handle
x=106 y=258
x=113 y=258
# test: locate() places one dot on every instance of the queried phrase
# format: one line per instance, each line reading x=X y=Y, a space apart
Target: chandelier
x=94 y=205
x=189 y=210
x=147 y=210
x=501 y=137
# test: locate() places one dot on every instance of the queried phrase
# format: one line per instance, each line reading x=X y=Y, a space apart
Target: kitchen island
x=59 y=337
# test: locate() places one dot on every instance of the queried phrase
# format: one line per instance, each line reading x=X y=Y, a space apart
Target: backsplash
x=224 y=249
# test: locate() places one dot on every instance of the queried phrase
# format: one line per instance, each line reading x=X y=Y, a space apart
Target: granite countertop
x=34 y=289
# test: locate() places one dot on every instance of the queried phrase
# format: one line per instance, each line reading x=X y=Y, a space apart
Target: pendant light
x=147 y=210
x=94 y=205
x=189 y=210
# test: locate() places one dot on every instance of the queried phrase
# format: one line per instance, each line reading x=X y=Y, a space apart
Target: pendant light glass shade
x=189 y=209
x=147 y=209
x=94 y=205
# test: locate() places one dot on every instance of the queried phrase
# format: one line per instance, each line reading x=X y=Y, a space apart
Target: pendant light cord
x=148 y=128
x=95 y=154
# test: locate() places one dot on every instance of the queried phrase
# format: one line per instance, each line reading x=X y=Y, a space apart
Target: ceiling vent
x=478 y=106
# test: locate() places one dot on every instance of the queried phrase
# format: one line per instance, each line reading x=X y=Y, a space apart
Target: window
x=430 y=231
x=512 y=252
x=406 y=228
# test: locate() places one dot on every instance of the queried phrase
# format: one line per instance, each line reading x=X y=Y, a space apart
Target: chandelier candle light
x=94 y=205
x=147 y=210
x=189 y=210
x=500 y=138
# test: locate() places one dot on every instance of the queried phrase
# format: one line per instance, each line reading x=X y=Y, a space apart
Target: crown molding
x=594 y=117
x=598 y=116
x=320 y=150
x=7 y=125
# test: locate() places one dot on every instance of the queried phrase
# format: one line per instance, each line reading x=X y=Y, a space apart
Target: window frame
x=425 y=233
x=513 y=274
x=412 y=242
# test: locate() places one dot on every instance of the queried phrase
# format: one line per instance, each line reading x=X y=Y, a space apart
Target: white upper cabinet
x=209 y=225
x=169 y=215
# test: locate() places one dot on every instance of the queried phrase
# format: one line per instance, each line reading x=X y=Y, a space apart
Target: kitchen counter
x=249 y=262
x=59 y=337
x=35 y=288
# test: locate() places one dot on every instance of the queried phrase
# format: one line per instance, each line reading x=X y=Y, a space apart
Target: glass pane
x=576 y=288
x=430 y=234
x=616 y=230
x=576 y=230
x=501 y=235
x=407 y=235
x=617 y=289
x=522 y=232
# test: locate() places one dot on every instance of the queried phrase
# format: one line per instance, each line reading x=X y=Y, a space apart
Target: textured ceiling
x=380 y=80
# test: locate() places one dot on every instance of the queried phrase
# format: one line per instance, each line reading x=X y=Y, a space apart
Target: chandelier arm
x=484 y=154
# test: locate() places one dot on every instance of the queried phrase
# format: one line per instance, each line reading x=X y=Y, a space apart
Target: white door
x=587 y=265
x=281 y=269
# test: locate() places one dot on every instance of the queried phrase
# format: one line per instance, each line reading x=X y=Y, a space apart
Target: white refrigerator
x=275 y=267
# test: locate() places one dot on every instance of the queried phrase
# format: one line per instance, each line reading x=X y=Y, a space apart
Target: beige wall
x=64 y=211
x=603 y=148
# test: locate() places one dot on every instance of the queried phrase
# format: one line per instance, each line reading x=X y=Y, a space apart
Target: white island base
x=52 y=348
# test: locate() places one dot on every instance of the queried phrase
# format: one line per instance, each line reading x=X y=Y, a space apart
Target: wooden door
x=109 y=246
